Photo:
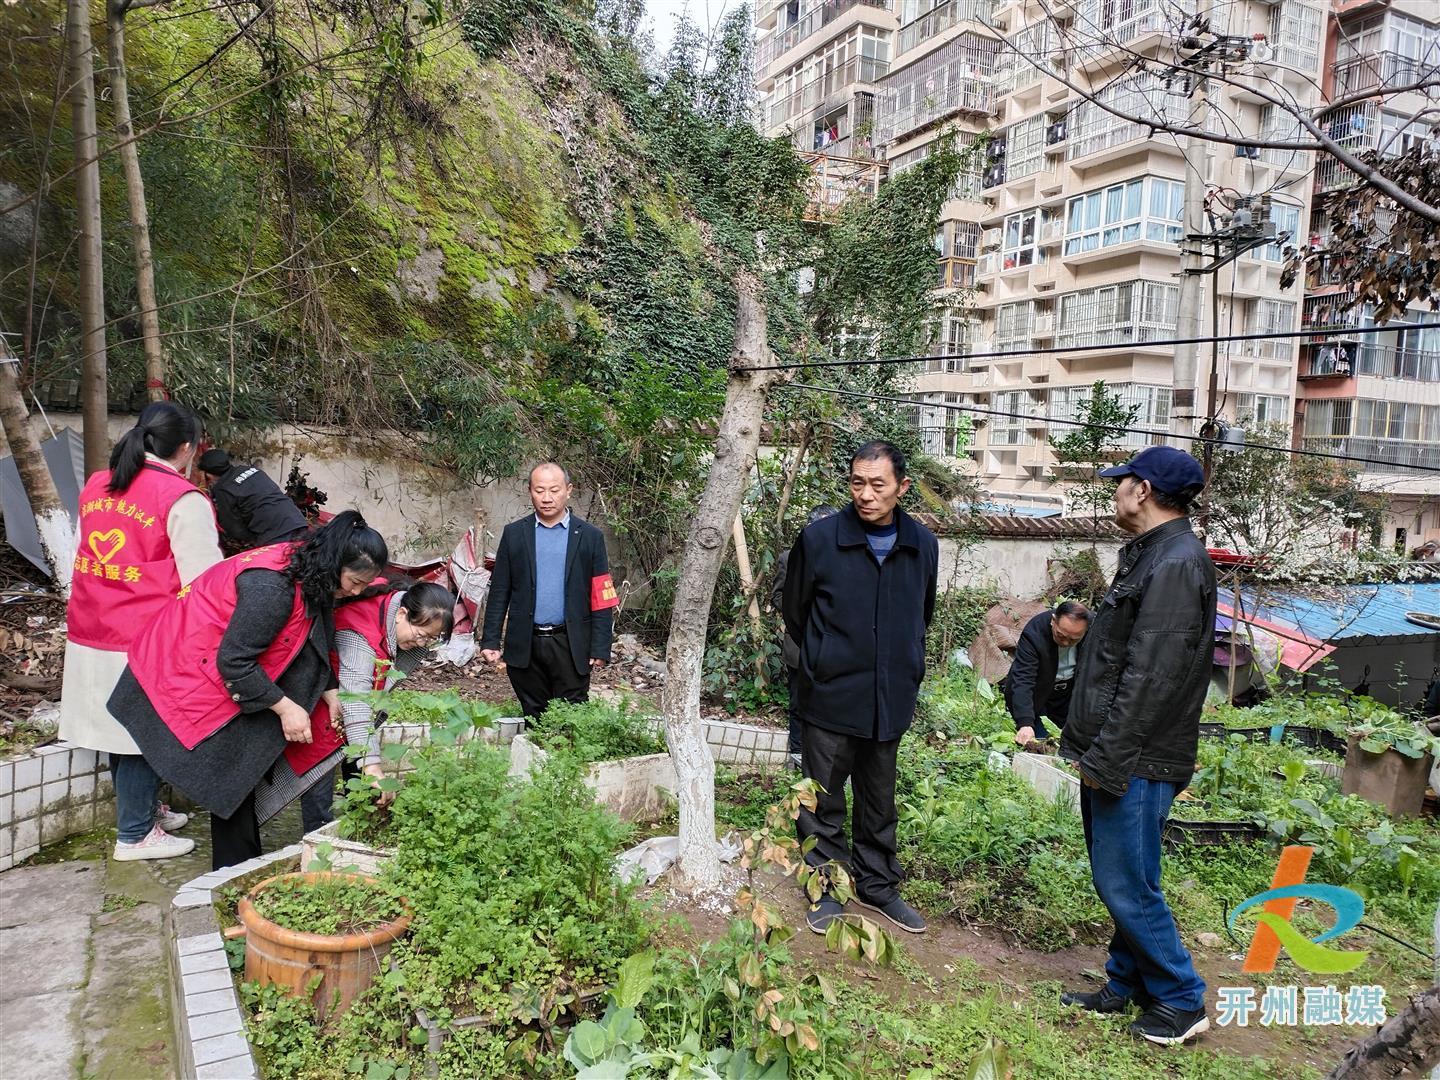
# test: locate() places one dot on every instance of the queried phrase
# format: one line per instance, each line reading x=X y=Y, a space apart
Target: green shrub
x=597 y=731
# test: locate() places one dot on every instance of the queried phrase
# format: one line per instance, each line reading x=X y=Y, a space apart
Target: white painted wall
x=1016 y=567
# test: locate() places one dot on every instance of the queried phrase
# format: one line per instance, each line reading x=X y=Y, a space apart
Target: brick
x=209 y=960
x=25 y=804
x=202 y=982
x=7 y=777
x=55 y=794
x=27 y=773
x=7 y=809
x=213 y=1024
x=82 y=761
x=236 y=1068
x=83 y=786
x=189 y=898
x=212 y=1001
x=220 y=1048
x=104 y=786
x=199 y=943
x=27 y=838
x=56 y=765
x=54 y=827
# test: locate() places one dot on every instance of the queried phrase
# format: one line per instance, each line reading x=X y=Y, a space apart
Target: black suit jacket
x=512 y=591
x=1031 y=681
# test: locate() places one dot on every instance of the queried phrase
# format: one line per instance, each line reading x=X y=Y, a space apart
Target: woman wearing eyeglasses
x=380 y=638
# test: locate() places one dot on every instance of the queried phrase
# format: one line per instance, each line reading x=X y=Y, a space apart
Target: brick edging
x=49 y=794
x=208 y=1023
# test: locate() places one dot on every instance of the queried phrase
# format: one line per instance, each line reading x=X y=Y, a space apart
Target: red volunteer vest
x=366 y=618
x=173 y=658
x=124 y=571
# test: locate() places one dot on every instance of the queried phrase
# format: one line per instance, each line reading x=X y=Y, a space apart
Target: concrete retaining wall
x=51 y=793
x=635 y=788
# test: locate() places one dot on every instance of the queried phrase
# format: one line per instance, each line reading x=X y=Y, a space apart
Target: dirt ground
x=947 y=951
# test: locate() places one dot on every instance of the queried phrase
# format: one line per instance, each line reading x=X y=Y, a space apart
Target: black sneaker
x=1170 y=1026
x=898 y=912
x=823 y=912
x=1104 y=1000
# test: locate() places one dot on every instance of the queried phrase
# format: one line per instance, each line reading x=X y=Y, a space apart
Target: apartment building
x=1374 y=396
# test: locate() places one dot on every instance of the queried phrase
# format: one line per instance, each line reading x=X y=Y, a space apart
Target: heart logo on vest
x=114 y=538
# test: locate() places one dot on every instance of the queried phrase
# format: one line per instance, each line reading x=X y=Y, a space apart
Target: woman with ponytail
x=228 y=674
x=145 y=533
x=380 y=637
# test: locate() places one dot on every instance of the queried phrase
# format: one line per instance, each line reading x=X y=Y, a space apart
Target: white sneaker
x=158 y=845
x=170 y=820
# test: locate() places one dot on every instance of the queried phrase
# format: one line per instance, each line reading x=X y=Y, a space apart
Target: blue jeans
x=136 y=788
x=1122 y=834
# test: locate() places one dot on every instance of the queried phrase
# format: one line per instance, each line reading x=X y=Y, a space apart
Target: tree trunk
x=57 y=533
x=139 y=214
x=87 y=205
x=1408 y=1045
x=698 y=867
x=806 y=434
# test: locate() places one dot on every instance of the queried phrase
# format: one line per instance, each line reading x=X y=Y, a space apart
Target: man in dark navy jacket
x=552 y=578
x=859 y=595
x=1043 y=673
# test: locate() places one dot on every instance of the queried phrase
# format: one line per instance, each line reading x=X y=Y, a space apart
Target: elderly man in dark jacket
x=1043 y=674
x=789 y=651
x=1133 y=731
x=859 y=594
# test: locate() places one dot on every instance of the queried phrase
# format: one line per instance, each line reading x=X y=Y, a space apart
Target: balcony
x=941 y=18
x=1396 y=362
x=1379 y=72
x=972 y=95
x=858 y=69
x=770 y=49
x=957 y=273
x=1326 y=362
x=1397 y=455
x=835 y=179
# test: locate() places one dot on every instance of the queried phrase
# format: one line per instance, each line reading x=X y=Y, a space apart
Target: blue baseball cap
x=1168 y=469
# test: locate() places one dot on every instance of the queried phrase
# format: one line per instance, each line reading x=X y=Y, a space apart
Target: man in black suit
x=1043 y=673
x=552 y=577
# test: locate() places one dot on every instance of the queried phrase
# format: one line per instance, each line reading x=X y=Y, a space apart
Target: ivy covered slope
x=381 y=219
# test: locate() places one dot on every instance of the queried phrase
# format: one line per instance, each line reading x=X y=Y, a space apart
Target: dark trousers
x=236 y=838
x=797 y=726
x=550 y=675
x=830 y=758
x=317 y=805
x=1122 y=834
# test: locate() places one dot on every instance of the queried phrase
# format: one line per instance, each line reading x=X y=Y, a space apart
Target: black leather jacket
x=1144 y=666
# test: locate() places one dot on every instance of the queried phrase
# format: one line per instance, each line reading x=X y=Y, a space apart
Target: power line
x=954 y=407
x=1104 y=347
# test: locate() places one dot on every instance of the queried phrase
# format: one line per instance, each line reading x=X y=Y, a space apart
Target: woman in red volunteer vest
x=229 y=672
x=379 y=639
x=145 y=532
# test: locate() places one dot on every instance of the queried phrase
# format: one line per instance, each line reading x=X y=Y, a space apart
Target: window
x=1269 y=317
x=1328 y=419
x=954 y=78
x=1262 y=408
x=1295 y=34
x=1124 y=212
x=1020 y=239
x=1287 y=232
x=1152 y=403
x=1133 y=311
x=965 y=239
x=1094 y=128
x=1025 y=147
x=1012 y=325
x=1009 y=430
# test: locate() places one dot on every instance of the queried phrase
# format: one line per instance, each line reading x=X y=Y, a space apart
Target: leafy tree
x=1083 y=451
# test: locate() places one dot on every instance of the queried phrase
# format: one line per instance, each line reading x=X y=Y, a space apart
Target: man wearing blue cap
x=1133 y=731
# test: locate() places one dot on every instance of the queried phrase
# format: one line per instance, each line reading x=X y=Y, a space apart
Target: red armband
x=602 y=593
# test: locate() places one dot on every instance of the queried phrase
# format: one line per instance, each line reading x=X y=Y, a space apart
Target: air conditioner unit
x=995 y=175
x=990 y=239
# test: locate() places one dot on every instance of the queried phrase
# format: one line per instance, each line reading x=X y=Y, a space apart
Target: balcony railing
x=956 y=273
x=1393 y=362
x=1396 y=454
x=835 y=179
x=961 y=95
x=774 y=46
x=1379 y=71
x=941 y=18
x=858 y=69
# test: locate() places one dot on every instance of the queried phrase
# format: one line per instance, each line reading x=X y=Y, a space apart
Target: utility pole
x=1197 y=166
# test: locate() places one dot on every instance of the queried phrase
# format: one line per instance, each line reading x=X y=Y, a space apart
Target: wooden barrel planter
x=346 y=963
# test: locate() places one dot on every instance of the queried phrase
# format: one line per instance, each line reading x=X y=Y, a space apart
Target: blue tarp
x=1348 y=614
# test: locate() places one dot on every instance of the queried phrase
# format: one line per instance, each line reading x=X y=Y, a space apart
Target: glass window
x=1113 y=216
x=1287 y=231
x=1019 y=246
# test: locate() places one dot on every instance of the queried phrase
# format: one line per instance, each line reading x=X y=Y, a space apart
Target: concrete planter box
x=345 y=854
x=504 y=730
x=48 y=794
x=746 y=744
x=209 y=1025
x=1047 y=778
x=634 y=788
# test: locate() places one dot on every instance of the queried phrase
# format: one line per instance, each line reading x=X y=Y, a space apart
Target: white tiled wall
x=48 y=794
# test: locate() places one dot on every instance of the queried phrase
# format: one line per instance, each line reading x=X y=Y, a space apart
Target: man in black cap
x=250 y=507
x=1133 y=732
